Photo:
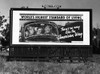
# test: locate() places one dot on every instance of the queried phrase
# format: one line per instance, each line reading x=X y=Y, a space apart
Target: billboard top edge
x=61 y=9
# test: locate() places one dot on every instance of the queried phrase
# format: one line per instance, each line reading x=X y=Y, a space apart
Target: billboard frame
x=40 y=9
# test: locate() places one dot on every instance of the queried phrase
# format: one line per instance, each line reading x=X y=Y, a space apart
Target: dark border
x=42 y=9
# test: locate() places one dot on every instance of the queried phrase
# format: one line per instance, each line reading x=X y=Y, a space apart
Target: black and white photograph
x=49 y=36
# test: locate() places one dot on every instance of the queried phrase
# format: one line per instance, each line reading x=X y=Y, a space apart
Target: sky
x=5 y=6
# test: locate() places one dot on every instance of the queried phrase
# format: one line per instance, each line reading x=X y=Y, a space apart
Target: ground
x=26 y=67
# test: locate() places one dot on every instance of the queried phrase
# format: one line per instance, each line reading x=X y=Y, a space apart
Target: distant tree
x=94 y=31
x=5 y=31
x=24 y=7
x=2 y=20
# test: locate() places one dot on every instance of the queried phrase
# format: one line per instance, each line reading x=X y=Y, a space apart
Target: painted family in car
x=39 y=31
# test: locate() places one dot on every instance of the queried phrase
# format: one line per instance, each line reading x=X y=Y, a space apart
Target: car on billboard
x=39 y=31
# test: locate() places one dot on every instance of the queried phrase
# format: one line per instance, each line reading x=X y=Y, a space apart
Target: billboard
x=50 y=26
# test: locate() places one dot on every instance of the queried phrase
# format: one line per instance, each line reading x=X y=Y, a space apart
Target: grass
x=22 y=67
x=19 y=67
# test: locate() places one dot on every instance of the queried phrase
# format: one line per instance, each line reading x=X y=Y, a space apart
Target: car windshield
x=35 y=29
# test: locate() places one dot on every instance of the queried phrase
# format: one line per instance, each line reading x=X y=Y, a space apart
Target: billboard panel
x=50 y=27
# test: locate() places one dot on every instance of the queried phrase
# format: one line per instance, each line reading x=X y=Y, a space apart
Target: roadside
x=30 y=67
